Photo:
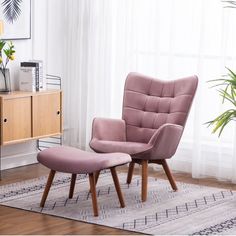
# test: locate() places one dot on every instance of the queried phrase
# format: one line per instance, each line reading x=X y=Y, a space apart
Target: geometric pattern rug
x=192 y=210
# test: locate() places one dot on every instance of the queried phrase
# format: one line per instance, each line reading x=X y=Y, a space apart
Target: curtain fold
x=166 y=39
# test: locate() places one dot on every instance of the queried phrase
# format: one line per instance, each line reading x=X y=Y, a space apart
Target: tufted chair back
x=149 y=103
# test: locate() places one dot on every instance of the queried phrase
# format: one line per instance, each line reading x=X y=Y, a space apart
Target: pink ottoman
x=75 y=161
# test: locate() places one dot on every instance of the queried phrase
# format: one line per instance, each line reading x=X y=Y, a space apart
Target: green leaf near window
x=228 y=93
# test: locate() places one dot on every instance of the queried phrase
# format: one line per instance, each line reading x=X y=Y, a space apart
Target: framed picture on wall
x=16 y=18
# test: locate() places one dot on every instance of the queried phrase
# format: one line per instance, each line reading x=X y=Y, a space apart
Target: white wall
x=47 y=44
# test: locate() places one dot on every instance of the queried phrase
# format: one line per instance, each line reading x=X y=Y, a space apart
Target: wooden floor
x=13 y=221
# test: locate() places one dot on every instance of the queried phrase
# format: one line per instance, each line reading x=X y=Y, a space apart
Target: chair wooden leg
x=93 y=192
x=130 y=172
x=96 y=176
x=169 y=175
x=117 y=186
x=47 y=187
x=144 y=164
x=72 y=185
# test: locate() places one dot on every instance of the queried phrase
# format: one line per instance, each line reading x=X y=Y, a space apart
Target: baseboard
x=9 y=162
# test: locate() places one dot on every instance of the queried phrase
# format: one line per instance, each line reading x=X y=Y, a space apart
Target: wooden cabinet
x=26 y=115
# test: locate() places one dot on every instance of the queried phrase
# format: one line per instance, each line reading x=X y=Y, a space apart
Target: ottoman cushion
x=73 y=160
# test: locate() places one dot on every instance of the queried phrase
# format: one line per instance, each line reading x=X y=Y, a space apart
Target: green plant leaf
x=228 y=93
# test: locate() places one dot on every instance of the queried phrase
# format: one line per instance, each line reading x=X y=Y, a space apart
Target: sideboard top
x=17 y=94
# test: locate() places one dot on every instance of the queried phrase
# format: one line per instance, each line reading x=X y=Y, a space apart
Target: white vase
x=5 y=82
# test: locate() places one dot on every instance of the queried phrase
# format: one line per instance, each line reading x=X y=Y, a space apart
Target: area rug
x=191 y=210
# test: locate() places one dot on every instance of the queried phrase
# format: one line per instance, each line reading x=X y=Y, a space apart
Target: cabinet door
x=16 y=119
x=47 y=114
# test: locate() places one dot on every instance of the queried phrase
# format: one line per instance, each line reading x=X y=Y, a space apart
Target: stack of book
x=31 y=76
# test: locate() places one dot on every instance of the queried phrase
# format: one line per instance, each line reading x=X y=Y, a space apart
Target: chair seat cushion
x=131 y=148
x=73 y=160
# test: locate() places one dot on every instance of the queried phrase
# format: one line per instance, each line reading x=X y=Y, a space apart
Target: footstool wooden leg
x=130 y=172
x=93 y=192
x=72 y=185
x=47 y=187
x=117 y=186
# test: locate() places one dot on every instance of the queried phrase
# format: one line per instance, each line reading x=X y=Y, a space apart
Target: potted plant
x=228 y=93
x=6 y=54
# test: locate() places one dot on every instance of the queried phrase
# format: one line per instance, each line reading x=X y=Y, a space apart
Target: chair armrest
x=109 y=129
x=165 y=141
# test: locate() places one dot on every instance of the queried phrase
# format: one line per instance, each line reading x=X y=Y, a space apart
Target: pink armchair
x=153 y=120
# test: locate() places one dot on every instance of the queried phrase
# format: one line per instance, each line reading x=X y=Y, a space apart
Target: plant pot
x=5 y=82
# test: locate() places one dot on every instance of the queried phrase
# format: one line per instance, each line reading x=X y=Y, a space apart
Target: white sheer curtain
x=88 y=67
x=167 y=39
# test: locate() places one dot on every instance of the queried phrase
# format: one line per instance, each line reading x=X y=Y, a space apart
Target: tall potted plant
x=228 y=93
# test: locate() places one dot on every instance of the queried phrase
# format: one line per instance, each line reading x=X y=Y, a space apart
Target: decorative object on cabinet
x=7 y=52
x=5 y=82
x=154 y=116
x=31 y=76
x=16 y=16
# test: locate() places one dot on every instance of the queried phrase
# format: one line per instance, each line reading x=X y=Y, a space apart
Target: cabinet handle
x=5 y=120
x=58 y=112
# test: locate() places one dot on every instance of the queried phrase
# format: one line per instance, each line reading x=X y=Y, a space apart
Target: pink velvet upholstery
x=73 y=160
x=154 y=116
x=109 y=129
x=130 y=148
